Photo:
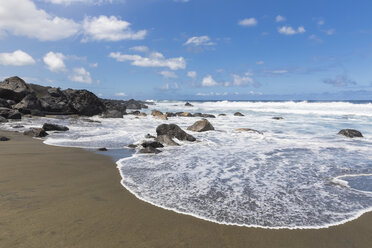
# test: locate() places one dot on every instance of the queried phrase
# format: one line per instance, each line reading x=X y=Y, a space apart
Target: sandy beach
x=68 y=197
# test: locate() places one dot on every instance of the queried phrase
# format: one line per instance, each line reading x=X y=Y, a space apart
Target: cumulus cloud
x=23 y=18
x=339 y=81
x=55 y=61
x=280 y=18
x=248 y=22
x=109 y=29
x=168 y=74
x=16 y=58
x=80 y=75
x=142 y=49
x=155 y=59
x=288 y=30
x=208 y=81
x=192 y=74
x=122 y=94
x=244 y=80
x=199 y=41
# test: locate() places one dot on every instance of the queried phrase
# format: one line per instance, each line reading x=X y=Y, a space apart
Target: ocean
x=297 y=173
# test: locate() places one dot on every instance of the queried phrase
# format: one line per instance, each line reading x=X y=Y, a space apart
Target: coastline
x=69 y=197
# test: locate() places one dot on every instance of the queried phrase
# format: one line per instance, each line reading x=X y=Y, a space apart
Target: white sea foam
x=286 y=178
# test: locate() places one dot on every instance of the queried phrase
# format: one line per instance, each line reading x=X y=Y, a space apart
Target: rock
x=201 y=126
x=134 y=112
x=174 y=131
x=198 y=115
x=351 y=133
x=132 y=146
x=54 y=127
x=103 y=149
x=4 y=103
x=150 y=149
x=3 y=120
x=185 y=114
x=208 y=116
x=89 y=120
x=154 y=144
x=36 y=112
x=238 y=114
x=84 y=102
x=222 y=115
x=149 y=136
x=166 y=140
x=36 y=132
x=14 y=88
x=142 y=114
x=170 y=114
x=278 y=118
x=30 y=102
x=161 y=117
x=112 y=114
x=189 y=104
x=18 y=126
x=248 y=130
x=10 y=113
x=115 y=105
x=133 y=104
x=156 y=113
x=2 y=138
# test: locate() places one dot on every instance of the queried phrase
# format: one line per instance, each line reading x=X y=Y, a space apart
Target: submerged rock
x=248 y=130
x=2 y=138
x=189 y=104
x=174 y=131
x=36 y=132
x=351 y=133
x=238 y=114
x=54 y=127
x=149 y=149
x=201 y=126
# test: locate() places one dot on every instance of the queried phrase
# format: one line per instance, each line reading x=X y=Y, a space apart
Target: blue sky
x=195 y=49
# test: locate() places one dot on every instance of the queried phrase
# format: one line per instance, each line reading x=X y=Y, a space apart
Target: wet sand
x=68 y=197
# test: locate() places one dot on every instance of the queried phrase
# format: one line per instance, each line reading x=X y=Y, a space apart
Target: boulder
x=112 y=114
x=278 y=118
x=222 y=115
x=351 y=133
x=84 y=102
x=116 y=105
x=189 y=104
x=14 y=88
x=132 y=146
x=154 y=144
x=156 y=113
x=185 y=114
x=170 y=114
x=166 y=140
x=238 y=114
x=30 y=102
x=161 y=117
x=248 y=130
x=2 y=138
x=198 y=115
x=208 y=116
x=174 y=131
x=54 y=127
x=133 y=104
x=103 y=149
x=36 y=132
x=136 y=112
x=3 y=120
x=10 y=113
x=4 y=103
x=201 y=126
x=150 y=149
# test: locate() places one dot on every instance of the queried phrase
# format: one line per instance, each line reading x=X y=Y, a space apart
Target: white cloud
x=22 y=18
x=248 y=22
x=54 y=61
x=80 y=75
x=16 y=58
x=155 y=59
x=142 y=49
x=330 y=31
x=288 y=30
x=94 y=65
x=208 y=81
x=168 y=86
x=199 y=41
x=120 y=94
x=280 y=18
x=261 y=62
x=192 y=74
x=244 y=80
x=315 y=38
x=168 y=74
x=68 y=2
x=320 y=22
x=109 y=29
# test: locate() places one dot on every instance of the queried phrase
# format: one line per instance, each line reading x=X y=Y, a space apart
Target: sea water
x=297 y=174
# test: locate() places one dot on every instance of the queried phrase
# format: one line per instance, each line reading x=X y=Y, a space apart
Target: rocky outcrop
x=35 y=132
x=133 y=104
x=29 y=102
x=238 y=114
x=84 y=102
x=54 y=127
x=351 y=133
x=166 y=140
x=201 y=126
x=174 y=131
x=112 y=114
x=10 y=113
x=189 y=104
x=14 y=88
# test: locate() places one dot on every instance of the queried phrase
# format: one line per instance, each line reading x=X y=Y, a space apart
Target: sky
x=192 y=49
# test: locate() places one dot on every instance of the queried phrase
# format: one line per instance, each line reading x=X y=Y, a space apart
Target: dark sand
x=66 y=197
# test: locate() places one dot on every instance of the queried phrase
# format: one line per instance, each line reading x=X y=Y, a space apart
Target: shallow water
x=287 y=177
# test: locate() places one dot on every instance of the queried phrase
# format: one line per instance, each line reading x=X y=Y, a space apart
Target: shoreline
x=69 y=197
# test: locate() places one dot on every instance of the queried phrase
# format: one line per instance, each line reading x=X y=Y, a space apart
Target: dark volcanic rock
x=14 y=88
x=150 y=149
x=36 y=112
x=115 y=105
x=170 y=114
x=29 y=102
x=149 y=136
x=154 y=144
x=3 y=120
x=238 y=114
x=112 y=114
x=2 y=138
x=166 y=140
x=103 y=149
x=351 y=133
x=174 y=131
x=132 y=146
x=84 y=102
x=36 y=132
x=201 y=126
x=4 y=103
x=189 y=104
x=133 y=104
x=10 y=113
x=222 y=115
x=278 y=118
x=54 y=127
